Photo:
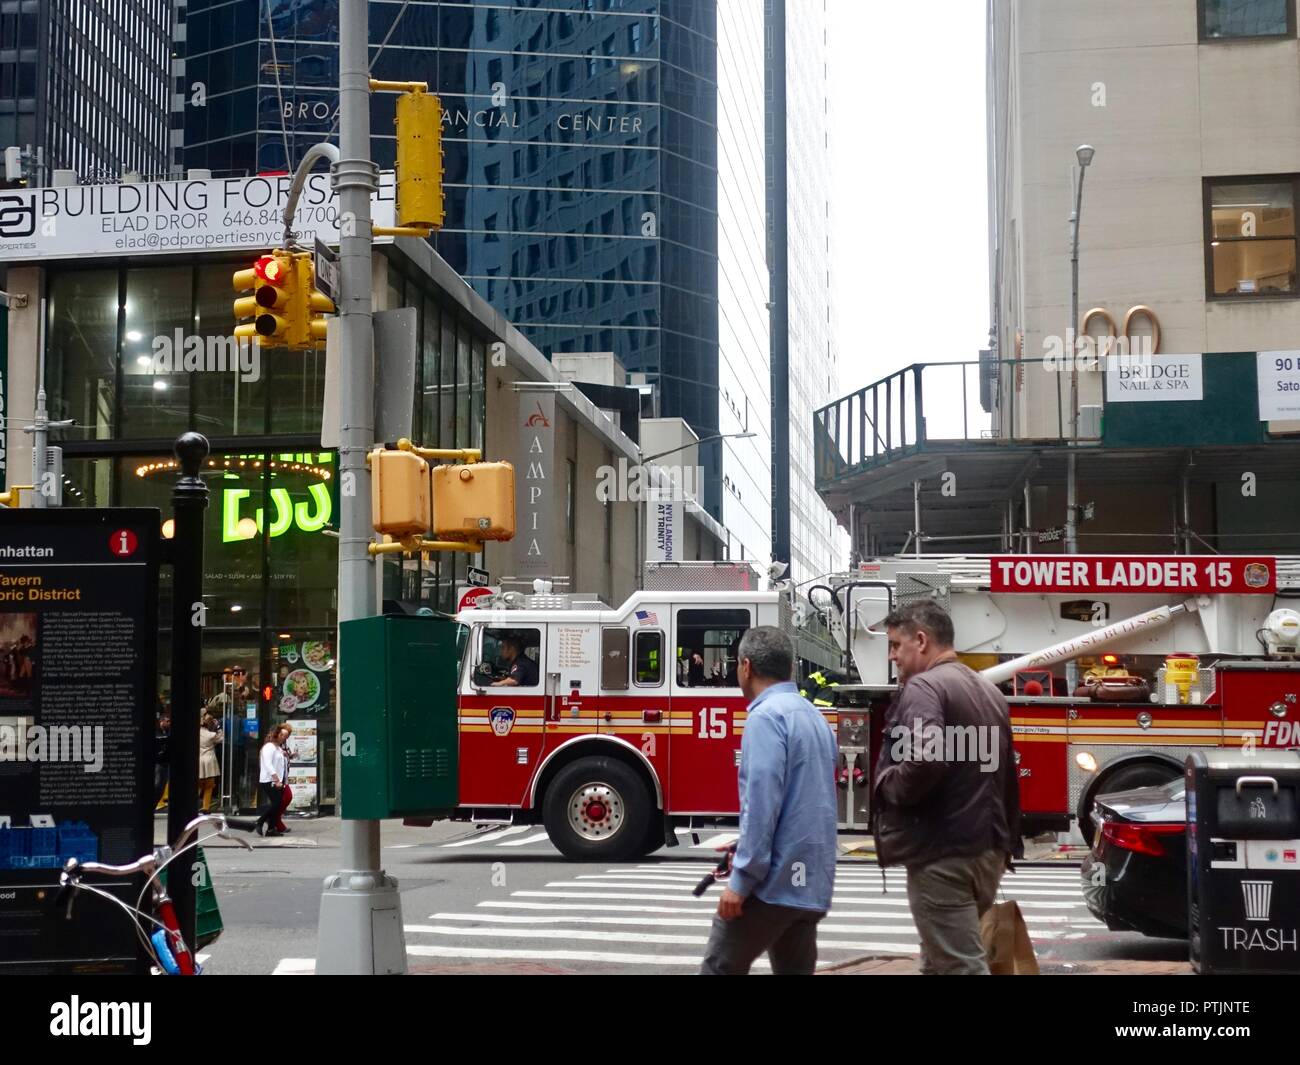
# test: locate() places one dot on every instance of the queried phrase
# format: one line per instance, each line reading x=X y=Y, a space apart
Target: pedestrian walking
x=162 y=731
x=784 y=869
x=286 y=793
x=270 y=781
x=210 y=734
x=946 y=799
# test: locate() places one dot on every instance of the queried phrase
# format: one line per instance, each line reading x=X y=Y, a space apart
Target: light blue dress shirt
x=787 y=847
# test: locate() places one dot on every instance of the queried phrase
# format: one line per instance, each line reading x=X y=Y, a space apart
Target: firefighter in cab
x=516 y=669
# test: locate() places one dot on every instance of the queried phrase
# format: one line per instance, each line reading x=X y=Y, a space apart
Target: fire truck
x=615 y=726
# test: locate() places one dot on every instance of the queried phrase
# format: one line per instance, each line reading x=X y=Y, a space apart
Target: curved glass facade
x=581 y=153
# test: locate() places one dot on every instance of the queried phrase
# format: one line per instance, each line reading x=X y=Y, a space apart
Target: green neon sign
x=308 y=515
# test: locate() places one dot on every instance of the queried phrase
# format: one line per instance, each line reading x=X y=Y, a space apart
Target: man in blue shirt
x=784 y=869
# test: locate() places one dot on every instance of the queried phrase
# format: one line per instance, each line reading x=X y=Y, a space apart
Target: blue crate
x=76 y=840
x=15 y=845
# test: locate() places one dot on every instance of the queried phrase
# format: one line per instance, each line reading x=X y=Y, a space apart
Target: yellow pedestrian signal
x=399 y=495
x=285 y=308
x=474 y=502
x=420 y=202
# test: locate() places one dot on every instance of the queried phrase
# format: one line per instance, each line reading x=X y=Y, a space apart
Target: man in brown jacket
x=946 y=799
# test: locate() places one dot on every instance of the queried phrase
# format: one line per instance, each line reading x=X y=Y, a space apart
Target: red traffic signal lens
x=269 y=269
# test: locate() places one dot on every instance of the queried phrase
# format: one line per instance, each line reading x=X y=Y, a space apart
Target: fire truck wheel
x=597 y=809
x=1125 y=778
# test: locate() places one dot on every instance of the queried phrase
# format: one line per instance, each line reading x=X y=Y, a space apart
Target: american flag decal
x=647 y=617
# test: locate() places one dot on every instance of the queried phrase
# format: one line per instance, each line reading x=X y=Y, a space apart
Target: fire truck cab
x=609 y=725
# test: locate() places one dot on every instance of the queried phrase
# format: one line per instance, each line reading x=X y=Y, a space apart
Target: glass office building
x=270 y=563
x=583 y=141
x=90 y=84
x=805 y=365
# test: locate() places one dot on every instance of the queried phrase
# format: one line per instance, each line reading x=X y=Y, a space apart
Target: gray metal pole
x=360 y=930
x=41 y=422
x=1071 y=478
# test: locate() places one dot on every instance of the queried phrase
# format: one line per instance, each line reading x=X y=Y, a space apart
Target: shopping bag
x=1006 y=941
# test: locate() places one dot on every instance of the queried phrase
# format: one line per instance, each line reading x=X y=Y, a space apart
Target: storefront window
x=157 y=340
x=230 y=403
x=81 y=351
x=303 y=560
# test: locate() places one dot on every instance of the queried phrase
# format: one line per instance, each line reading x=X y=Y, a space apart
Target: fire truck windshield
x=509 y=658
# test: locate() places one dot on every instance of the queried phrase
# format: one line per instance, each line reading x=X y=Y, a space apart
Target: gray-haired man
x=947 y=798
x=784 y=868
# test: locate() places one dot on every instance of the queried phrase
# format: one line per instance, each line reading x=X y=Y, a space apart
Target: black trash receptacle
x=1243 y=860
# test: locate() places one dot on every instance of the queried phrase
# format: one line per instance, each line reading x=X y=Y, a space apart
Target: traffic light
x=474 y=502
x=399 y=495
x=418 y=120
x=273 y=281
x=286 y=309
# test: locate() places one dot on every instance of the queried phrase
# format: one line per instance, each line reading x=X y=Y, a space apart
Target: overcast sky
x=910 y=262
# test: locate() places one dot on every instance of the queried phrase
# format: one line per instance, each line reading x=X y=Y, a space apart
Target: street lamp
x=1083 y=154
x=696 y=443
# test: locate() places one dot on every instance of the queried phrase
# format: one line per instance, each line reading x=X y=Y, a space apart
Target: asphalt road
x=504 y=900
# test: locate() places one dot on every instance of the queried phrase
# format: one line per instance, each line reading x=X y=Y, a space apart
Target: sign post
x=79 y=622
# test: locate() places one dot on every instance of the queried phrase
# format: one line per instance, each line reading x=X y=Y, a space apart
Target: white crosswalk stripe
x=499 y=837
x=643 y=916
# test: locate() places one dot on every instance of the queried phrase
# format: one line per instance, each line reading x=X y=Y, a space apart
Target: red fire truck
x=614 y=726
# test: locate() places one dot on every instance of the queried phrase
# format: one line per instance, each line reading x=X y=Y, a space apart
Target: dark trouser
x=160 y=775
x=269 y=811
x=788 y=934
x=947 y=899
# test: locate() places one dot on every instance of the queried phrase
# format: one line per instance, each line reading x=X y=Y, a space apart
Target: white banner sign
x=1155 y=379
x=171 y=216
x=663 y=536
x=1278 y=376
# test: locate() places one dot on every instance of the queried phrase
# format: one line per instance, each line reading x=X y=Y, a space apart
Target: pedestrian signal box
x=397 y=704
x=474 y=502
x=399 y=497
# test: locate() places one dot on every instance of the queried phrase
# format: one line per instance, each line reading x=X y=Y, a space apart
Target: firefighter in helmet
x=816 y=688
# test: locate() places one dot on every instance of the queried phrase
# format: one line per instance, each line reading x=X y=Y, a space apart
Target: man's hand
x=730 y=905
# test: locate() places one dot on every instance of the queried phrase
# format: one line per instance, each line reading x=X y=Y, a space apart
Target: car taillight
x=1140 y=839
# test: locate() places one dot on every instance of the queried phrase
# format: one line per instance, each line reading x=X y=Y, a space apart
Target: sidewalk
x=895 y=966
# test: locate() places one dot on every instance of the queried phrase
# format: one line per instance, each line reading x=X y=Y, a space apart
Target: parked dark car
x=1135 y=878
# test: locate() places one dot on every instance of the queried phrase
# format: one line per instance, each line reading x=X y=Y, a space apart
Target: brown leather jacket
x=946 y=778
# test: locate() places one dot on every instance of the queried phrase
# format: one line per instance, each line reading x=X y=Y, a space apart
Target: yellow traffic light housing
x=474 y=502
x=285 y=308
x=399 y=494
x=420 y=201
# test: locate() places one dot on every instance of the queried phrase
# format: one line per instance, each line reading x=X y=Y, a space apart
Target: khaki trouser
x=947 y=899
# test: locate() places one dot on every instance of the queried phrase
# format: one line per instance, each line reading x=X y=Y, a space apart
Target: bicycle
x=164 y=944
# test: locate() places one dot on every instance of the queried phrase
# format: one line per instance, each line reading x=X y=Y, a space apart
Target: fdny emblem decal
x=503 y=720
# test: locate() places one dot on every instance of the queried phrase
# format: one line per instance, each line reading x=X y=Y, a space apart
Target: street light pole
x=360 y=930
x=697 y=443
x=1084 y=154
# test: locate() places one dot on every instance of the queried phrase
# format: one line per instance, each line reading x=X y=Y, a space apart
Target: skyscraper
x=594 y=196
x=88 y=84
x=804 y=362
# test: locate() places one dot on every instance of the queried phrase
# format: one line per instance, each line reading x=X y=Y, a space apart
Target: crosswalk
x=524 y=835
x=644 y=917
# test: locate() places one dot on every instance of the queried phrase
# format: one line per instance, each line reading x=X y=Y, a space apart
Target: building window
x=1237 y=19
x=1250 y=237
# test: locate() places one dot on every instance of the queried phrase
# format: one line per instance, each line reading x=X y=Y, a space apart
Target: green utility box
x=207 y=925
x=397 y=699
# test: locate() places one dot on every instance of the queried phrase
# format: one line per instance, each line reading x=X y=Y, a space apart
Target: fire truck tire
x=598 y=809
x=1123 y=778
